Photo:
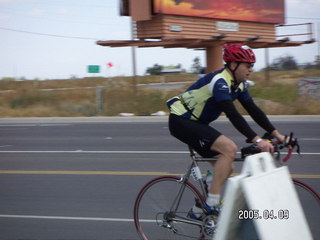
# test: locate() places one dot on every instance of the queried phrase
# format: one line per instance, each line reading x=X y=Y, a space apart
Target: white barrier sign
x=262 y=203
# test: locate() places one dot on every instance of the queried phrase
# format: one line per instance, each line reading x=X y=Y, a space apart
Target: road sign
x=93 y=68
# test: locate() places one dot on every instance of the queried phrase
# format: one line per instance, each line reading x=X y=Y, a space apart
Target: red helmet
x=237 y=52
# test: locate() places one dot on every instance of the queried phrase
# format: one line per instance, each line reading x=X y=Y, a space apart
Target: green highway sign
x=93 y=68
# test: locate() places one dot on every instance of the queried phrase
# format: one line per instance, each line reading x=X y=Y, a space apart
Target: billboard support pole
x=214 y=58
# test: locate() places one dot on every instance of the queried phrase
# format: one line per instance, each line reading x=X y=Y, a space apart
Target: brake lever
x=293 y=142
x=298 y=147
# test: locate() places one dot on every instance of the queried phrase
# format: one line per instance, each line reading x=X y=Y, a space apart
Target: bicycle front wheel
x=310 y=201
x=161 y=210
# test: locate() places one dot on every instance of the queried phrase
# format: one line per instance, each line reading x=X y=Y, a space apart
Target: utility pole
x=318 y=39
x=267 y=69
x=133 y=51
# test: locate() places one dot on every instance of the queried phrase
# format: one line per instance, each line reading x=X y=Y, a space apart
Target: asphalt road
x=76 y=179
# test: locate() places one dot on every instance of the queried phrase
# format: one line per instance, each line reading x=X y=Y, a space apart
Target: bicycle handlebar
x=290 y=142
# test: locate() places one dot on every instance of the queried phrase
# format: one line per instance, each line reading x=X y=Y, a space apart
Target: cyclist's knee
x=226 y=147
x=234 y=149
x=231 y=150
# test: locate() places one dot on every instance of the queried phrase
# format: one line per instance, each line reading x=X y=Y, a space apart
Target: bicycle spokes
x=152 y=214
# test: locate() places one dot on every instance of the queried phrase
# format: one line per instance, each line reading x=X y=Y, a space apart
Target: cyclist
x=192 y=111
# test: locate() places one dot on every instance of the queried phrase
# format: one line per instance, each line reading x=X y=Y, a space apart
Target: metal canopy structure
x=212 y=46
x=199 y=43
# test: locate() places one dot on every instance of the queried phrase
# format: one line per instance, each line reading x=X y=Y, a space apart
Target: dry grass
x=278 y=96
x=119 y=96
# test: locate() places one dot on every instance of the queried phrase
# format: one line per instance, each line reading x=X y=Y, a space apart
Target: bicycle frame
x=196 y=159
x=171 y=215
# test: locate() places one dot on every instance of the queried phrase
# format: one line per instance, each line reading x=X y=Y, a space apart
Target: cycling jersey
x=213 y=94
x=199 y=101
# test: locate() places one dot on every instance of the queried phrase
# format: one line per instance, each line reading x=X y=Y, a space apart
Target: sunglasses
x=250 y=65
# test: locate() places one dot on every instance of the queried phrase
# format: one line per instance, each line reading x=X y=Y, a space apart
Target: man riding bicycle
x=192 y=111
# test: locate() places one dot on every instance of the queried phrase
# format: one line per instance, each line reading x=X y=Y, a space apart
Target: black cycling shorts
x=195 y=134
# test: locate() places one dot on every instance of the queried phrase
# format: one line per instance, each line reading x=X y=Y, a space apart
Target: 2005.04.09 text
x=265 y=214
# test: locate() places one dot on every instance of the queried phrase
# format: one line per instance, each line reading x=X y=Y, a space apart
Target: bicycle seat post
x=192 y=154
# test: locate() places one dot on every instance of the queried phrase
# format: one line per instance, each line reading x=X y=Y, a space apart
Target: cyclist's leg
x=224 y=166
x=208 y=142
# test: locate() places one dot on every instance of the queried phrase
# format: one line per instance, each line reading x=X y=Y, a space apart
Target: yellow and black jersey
x=199 y=102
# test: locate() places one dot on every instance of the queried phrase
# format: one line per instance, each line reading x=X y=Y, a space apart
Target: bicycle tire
x=310 y=202
x=152 y=206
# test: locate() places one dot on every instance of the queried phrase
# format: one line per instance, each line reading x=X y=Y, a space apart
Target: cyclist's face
x=243 y=72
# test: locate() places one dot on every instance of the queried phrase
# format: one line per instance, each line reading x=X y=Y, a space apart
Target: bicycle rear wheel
x=158 y=216
x=310 y=201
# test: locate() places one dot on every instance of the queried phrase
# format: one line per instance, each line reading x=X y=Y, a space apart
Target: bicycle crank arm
x=187 y=221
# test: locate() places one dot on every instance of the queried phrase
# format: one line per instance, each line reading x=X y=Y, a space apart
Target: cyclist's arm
x=258 y=115
x=242 y=126
x=260 y=118
x=236 y=119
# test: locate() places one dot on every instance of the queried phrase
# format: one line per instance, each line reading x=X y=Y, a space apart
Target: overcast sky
x=50 y=39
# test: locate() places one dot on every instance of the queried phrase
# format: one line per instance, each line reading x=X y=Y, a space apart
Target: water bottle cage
x=196 y=174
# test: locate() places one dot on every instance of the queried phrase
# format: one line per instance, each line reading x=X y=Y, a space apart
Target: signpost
x=99 y=90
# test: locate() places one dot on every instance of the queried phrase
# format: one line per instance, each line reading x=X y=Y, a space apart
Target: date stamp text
x=251 y=214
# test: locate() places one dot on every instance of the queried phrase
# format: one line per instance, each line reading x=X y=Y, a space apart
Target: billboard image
x=265 y=11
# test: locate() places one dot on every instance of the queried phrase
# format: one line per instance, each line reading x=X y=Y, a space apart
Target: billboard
x=264 y=11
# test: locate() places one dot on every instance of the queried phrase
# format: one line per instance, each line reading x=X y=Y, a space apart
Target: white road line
x=129 y=152
x=74 y=218
x=35 y=125
x=111 y=152
x=140 y=119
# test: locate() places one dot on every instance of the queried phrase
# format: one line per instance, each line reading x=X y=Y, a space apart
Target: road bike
x=162 y=205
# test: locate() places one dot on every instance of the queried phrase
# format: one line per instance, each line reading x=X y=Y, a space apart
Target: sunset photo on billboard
x=264 y=11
